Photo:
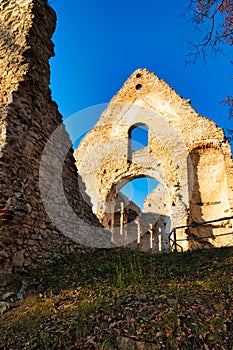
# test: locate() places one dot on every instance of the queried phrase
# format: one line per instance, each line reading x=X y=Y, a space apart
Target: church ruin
x=188 y=154
x=42 y=210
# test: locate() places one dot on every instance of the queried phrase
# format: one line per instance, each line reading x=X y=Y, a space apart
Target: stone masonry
x=46 y=206
x=187 y=153
x=30 y=191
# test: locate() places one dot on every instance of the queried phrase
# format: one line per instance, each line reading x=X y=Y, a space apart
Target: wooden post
x=160 y=241
x=125 y=236
x=175 y=241
x=151 y=236
x=121 y=218
x=138 y=233
x=112 y=221
x=112 y=235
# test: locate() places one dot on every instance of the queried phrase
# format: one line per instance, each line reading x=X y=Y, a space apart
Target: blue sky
x=98 y=44
x=137 y=189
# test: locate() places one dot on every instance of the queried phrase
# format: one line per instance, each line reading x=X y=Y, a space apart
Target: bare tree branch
x=214 y=18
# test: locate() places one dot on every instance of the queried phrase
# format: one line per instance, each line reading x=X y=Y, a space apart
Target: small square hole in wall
x=138 y=75
x=138 y=86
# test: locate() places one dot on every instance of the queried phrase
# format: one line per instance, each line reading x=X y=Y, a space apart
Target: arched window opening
x=138 y=136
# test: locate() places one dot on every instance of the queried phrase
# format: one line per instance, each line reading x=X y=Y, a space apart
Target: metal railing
x=173 y=234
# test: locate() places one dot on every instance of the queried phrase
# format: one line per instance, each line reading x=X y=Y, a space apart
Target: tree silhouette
x=214 y=18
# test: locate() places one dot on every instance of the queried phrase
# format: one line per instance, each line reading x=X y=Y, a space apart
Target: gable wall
x=175 y=132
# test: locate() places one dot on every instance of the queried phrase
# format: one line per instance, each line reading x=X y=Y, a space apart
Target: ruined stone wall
x=28 y=236
x=187 y=153
x=44 y=208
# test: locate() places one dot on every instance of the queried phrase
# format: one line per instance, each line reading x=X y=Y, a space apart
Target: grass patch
x=88 y=301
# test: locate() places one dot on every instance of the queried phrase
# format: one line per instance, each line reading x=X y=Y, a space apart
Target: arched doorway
x=139 y=224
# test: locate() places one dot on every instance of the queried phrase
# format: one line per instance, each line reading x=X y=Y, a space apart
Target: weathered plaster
x=186 y=153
